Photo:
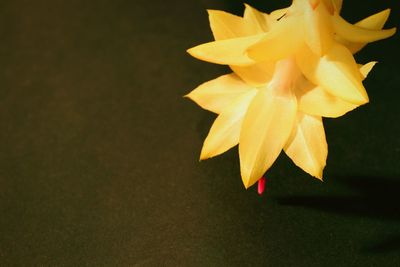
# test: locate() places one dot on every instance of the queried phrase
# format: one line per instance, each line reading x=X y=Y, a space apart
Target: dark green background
x=99 y=151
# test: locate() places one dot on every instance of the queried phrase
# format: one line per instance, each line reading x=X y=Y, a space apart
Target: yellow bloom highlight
x=216 y=94
x=315 y=100
x=291 y=68
x=337 y=72
x=317 y=24
x=267 y=124
x=225 y=132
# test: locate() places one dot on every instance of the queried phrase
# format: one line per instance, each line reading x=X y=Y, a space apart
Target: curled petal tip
x=227 y=52
x=246 y=184
x=202 y=158
x=190 y=51
x=365 y=69
x=354 y=33
x=319 y=176
x=193 y=51
x=204 y=155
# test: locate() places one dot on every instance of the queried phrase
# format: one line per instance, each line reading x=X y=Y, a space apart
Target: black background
x=99 y=151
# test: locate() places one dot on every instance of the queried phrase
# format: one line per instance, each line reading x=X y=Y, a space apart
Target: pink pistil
x=261 y=185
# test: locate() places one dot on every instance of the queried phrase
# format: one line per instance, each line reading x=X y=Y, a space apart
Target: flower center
x=285 y=76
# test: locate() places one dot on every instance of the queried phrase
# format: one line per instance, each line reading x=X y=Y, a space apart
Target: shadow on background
x=372 y=197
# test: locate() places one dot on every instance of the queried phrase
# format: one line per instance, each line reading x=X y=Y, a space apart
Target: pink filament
x=261 y=185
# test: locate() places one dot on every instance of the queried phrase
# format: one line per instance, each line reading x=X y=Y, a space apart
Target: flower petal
x=255 y=75
x=282 y=41
x=227 y=26
x=224 y=133
x=307 y=145
x=365 y=69
x=314 y=100
x=266 y=127
x=374 y=22
x=256 y=18
x=318 y=29
x=358 y=34
x=226 y=52
x=217 y=94
x=336 y=72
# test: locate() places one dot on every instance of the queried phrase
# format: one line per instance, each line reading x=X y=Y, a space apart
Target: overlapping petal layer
x=224 y=133
x=354 y=33
x=307 y=145
x=317 y=101
x=216 y=94
x=227 y=52
x=374 y=22
x=337 y=72
x=318 y=31
x=280 y=42
x=265 y=130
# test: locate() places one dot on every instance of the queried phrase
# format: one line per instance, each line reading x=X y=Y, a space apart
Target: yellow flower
x=291 y=68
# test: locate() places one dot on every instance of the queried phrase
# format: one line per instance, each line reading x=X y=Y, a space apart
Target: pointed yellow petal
x=226 y=52
x=256 y=18
x=314 y=100
x=227 y=26
x=318 y=29
x=365 y=70
x=217 y=94
x=374 y=22
x=282 y=41
x=265 y=129
x=255 y=75
x=224 y=133
x=358 y=34
x=307 y=145
x=336 y=72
